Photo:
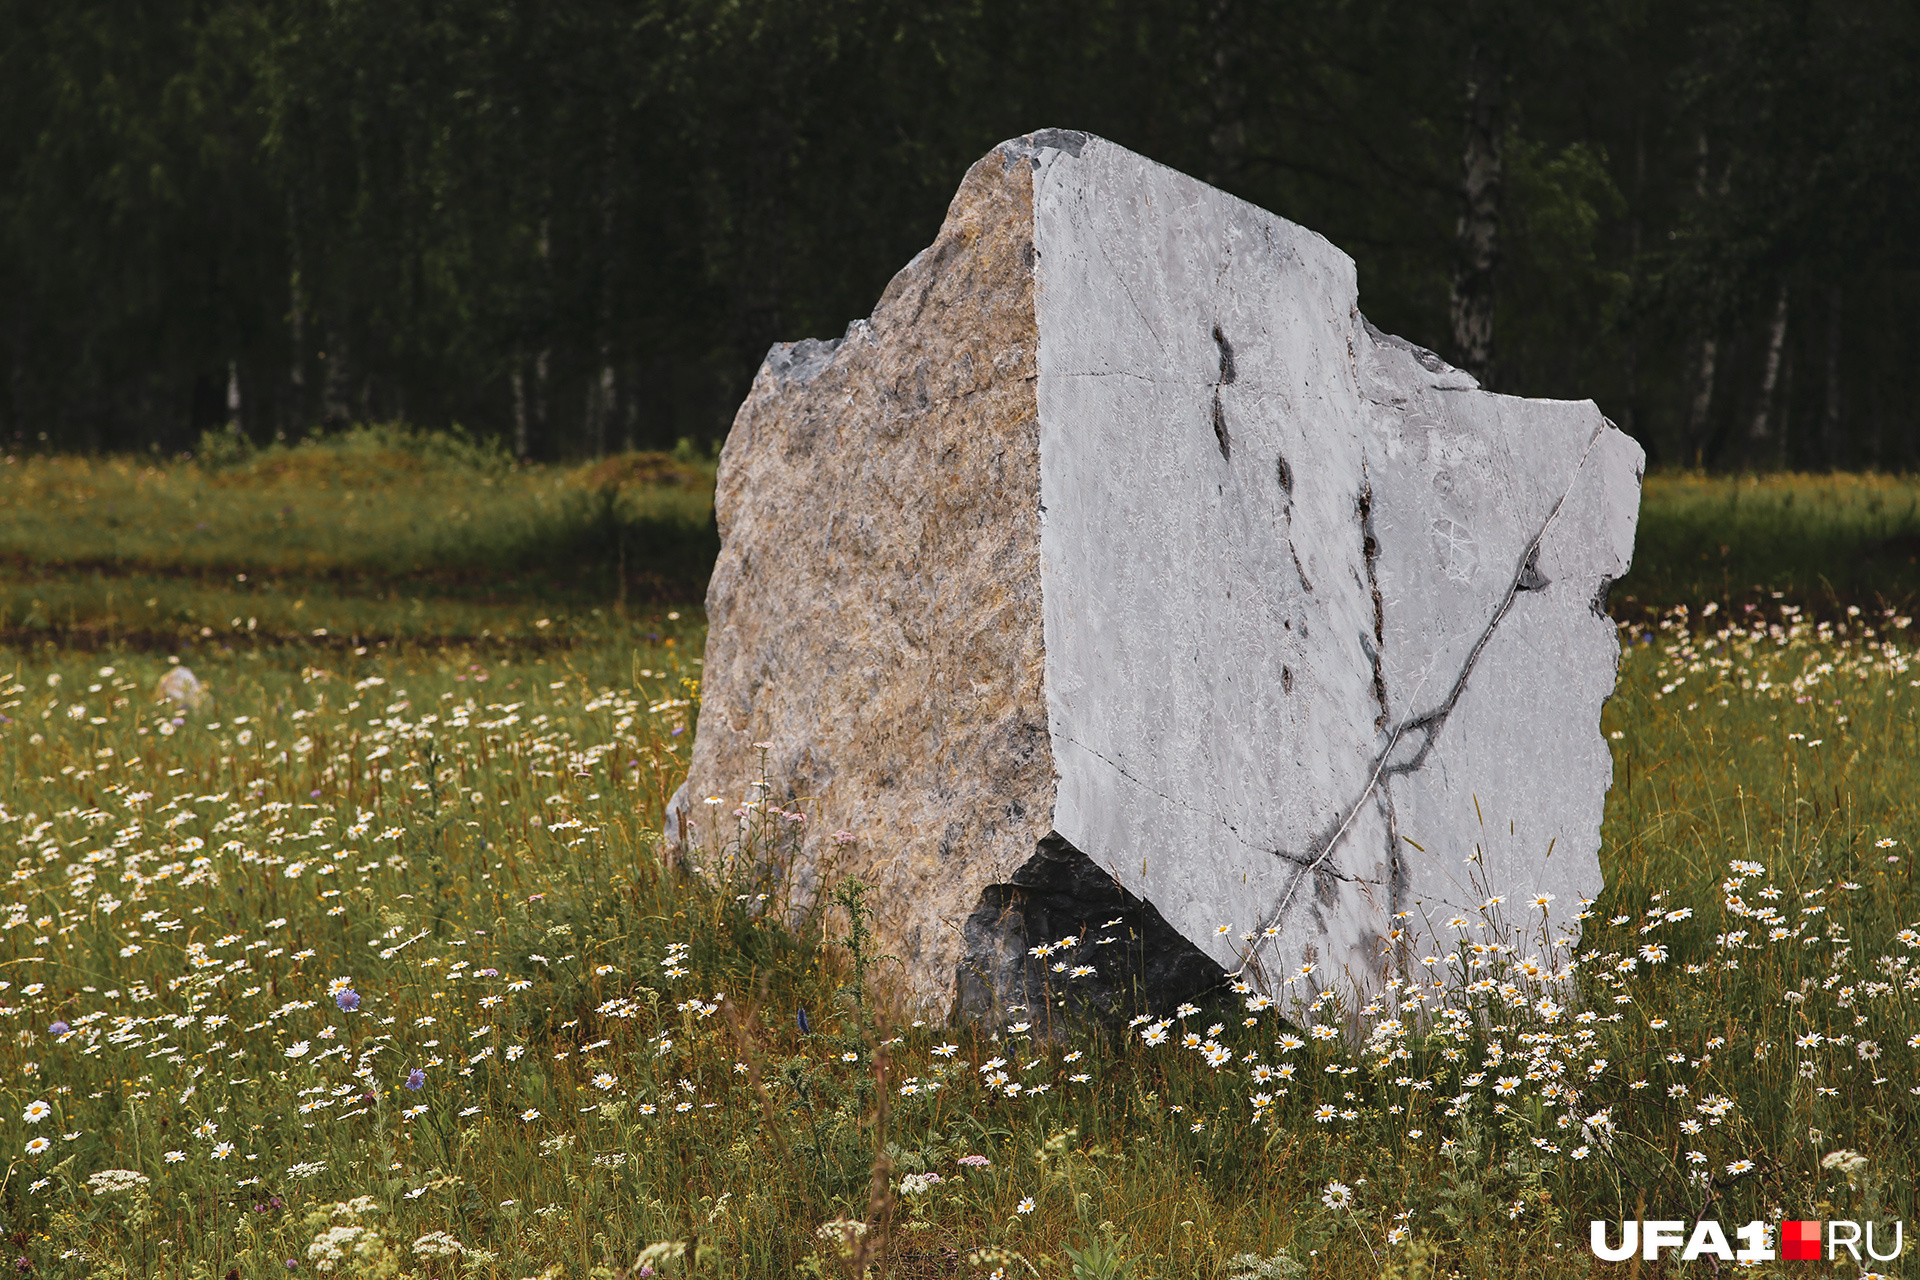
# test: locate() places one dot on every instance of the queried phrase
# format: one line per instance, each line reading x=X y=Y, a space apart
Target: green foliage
x=577 y=226
x=1561 y=287
x=1102 y=1258
x=367 y=452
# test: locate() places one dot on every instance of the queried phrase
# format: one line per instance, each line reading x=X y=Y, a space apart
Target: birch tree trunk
x=543 y=312
x=296 y=327
x=629 y=415
x=540 y=363
x=334 y=386
x=519 y=408
x=1478 y=236
x=1702 y=407
x=1831 y=441
x=233 y=398
x=1707 y=348
x=600 y=408
x=1630 y=419
x=1874 y=425
x=601 y=399
x=1759 y=428
x=1784 y=422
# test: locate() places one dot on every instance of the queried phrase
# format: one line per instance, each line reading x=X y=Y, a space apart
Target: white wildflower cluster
x=110 y=1182
x=349 y=1241
x=438 y=1244
x=673 y=964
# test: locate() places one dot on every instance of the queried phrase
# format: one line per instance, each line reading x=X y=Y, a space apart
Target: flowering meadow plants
x=372 y=965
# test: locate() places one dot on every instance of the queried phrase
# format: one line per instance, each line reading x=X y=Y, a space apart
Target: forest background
x=576 y=226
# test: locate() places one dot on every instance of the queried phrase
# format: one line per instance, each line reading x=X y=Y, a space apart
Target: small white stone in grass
x=180 y=686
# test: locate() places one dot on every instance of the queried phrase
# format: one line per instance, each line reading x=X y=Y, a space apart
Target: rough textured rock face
x=1122 y=589
x=875 y=613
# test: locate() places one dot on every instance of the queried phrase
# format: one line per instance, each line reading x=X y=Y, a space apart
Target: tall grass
x=377 y=530
x=373 y=510
x=612 y=1059
x=1825 y=541
x=371 y=962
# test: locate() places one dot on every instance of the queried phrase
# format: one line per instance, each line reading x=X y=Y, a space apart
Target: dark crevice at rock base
x=1060 y=894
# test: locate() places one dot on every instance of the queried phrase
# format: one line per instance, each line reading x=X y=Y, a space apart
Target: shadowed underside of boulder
x=1063 y=939
x=1116 y=569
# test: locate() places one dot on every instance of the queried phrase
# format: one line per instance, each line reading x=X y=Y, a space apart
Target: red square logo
x=1800 y=1241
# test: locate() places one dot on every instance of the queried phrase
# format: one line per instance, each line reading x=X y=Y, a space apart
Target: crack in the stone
x=1228 y=374
x=1599 y=602
x=1369 y=552
x=1298 y=570
x=1396 y=864
x=1130 y=373
x=1526 y=577
x=1120 y=769
x=1283 y=474
x=1145 y=320
x=1318 y=849
x=1302 y=860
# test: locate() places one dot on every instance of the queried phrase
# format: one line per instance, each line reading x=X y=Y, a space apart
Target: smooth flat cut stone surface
x=1117 y=579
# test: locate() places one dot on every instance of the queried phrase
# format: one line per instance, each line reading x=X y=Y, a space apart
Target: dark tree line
x=576 y=225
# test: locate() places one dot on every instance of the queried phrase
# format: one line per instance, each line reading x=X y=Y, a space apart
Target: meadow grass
x=610 y=1057
x=373 y=965
x=391 y=533
x=1823 y=541
x=374 y=523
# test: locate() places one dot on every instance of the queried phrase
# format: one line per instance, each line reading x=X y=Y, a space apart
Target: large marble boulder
x=1132 y=600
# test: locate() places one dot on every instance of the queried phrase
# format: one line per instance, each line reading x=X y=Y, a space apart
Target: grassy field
x=376 y=532
x=370 y=965
x=1822 y=541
